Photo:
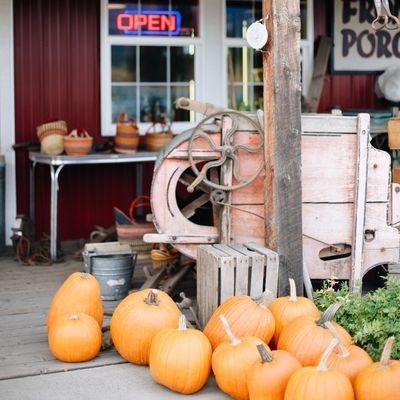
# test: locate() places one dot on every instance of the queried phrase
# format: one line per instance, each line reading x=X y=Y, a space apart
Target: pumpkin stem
x=342 y=348
x=265 y=355
x=152 y=298
x=85 y=275
x=387 y=351
x=293 y=292
x=234 y=340
x=182 y=323
x=266 y=299
x=329 y=314
x=322 y=366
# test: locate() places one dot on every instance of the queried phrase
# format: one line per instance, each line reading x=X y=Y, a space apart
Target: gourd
x=350 y=360
x=74 y=338
x=246 y=318
x=286 y=309
x=306 y=339
x=319 y=383
x=267 y=380
x=381 y=380
x=232 y=360
x=137 y=320
x=180 y=359
x=80 y=293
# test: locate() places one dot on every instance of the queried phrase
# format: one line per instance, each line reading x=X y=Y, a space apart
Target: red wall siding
x=57 y=76
x=348 y=91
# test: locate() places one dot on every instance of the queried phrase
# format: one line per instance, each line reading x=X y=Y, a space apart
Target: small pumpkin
x=246 y=318
x=80 y=293
x=180 y=359
x=317 y=383
x=232 y=360
x=306 y=339
x=286 y=309
x=381 y=380
x=137 y=320
x=350 y=360
x=267 y=380
x=75 y=338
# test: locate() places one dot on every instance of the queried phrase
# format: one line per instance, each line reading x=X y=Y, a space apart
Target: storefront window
x=240 y=14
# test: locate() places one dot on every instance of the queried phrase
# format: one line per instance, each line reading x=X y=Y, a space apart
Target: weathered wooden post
x=282 y=110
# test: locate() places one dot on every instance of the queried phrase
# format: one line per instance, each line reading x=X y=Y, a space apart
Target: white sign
x=358 y=48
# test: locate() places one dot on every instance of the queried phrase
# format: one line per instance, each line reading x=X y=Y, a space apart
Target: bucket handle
x=135 y=205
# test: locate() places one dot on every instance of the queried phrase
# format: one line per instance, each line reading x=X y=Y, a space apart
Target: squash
x=246 y=318
x=137 y=320
x=267 y=380
x=74 y=338
x=80 y=293
x=286 y=309
x=180 y=359
x=381 y=380
x=350 y=360
x=306 y=339
x=232 y=360
x=319 y=383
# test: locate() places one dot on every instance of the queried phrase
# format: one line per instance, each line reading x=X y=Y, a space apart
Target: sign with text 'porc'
x=358 y=48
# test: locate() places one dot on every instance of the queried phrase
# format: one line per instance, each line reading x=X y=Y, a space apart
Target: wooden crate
x=224 y=271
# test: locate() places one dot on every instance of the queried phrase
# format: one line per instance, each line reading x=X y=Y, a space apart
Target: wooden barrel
x=127 y=137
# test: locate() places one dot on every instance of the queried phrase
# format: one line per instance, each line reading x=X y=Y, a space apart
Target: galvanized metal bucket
x=112 y=264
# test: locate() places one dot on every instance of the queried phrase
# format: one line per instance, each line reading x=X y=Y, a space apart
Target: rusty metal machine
x=208 y=187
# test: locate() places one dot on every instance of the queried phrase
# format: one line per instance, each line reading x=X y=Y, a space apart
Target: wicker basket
x=394 y=133
x=163 y=256
x=127 y=137
x=51 y=136
x=78 y=143
x=154 y=140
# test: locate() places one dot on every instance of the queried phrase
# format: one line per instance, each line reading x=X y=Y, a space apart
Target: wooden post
x=282 y=111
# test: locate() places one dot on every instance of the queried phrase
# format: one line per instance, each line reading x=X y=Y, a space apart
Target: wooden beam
x=282 y=111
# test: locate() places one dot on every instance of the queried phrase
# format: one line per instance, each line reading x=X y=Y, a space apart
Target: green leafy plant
x=370 y=319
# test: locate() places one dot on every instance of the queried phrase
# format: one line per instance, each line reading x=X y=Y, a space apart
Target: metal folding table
x=57 y=163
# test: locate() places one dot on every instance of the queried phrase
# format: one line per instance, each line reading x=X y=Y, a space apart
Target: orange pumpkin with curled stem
x=319 y=383
x=180 y=359
x=306 y=339
x=268 y=378
x=381 y=380
x=232 y=360
x=350 y=360
x=286 y=309
x=245 y=317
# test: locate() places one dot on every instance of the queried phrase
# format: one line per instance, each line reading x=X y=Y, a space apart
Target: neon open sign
x=132 y=22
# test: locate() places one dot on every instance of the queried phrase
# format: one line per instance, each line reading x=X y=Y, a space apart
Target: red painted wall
x=348 y=91
x=57 y=76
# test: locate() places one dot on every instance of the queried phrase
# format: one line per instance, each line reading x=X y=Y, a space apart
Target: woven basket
x=51 y=136
x=127 y=137
x=162 y=257
x=154 y=140
x=78 y=143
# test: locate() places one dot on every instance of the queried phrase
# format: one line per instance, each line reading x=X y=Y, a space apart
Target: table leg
x=32 y=198
x=139 y=185
x=54 y=174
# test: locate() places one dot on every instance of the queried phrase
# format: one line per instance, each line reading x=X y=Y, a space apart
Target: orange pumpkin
x=75 y=338
x=350 y=360
x=286 y=309
x=319 y=383
x=80 y=293
x=381 y=380
x=246 y=318
x=137 y=320
x=267 y=380
x=180 y=359
x=232 y=360
x=306 y=339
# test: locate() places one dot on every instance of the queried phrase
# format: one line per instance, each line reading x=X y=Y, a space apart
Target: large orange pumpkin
x=267 y=380
x=381 y=380
x=80 y=293
x=286 y=309
x=350 y=360
x=180 y=359
x=319 y=383
x=137 y=320
x=232 y=360
x=74 y=338
x=245 y=317
x=306 y=339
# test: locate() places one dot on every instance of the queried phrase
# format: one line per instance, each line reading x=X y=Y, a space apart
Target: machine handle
x=198 y=106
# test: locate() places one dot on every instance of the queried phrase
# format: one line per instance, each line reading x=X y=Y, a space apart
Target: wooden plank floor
x=25 y=295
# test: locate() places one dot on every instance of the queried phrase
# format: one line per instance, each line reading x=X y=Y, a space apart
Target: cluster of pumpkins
x=314 y=360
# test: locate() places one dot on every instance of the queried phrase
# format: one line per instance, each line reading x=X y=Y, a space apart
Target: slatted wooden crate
x=224 y=271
